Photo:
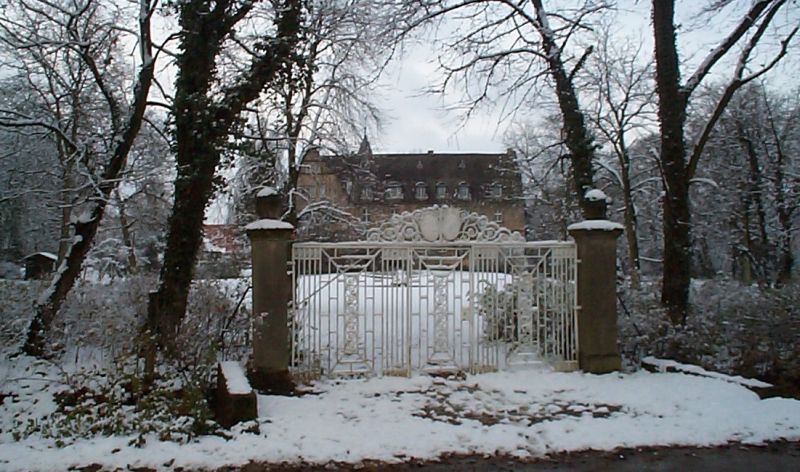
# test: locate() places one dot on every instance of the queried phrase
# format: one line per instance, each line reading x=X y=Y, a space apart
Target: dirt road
x=783 y=456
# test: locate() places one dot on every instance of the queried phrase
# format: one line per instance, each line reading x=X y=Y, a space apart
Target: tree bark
x=672 y=115
x=577 y=137
x=629 y=218
x=785 y=209
x=127 y=236
x=759 y=251
x=202 y=125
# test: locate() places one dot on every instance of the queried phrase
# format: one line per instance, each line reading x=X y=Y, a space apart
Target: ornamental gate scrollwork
x=437 y=290
x=441 y=224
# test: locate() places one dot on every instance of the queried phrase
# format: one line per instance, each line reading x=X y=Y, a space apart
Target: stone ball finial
x=596 y=204
x=269 y=204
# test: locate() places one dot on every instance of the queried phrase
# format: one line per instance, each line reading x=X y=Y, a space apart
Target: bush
x=732 y=328
x=104 y=402
x=16 y=309
x=97 y=380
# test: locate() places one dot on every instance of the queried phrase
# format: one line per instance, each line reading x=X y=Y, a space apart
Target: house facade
x=339 y=197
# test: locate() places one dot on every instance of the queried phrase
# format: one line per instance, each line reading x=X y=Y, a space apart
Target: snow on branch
x=719 y=52
x=738 y=80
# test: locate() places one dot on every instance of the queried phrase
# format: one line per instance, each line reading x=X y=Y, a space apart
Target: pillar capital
x=269 y=203
x=268 y=228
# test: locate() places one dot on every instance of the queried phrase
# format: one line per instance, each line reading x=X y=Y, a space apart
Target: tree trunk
x=631 y=233
x=202 y=125
x=759 y=251
x=127 y=236
x=632 y=240
x=193 y=188
x=785 y=212
x=64 y=232
x=197 y=156
x=672 y=115
x=67 y=189
x=786 y=256
x=577 y=137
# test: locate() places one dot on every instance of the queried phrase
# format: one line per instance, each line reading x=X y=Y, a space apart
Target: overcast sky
x=420 y=122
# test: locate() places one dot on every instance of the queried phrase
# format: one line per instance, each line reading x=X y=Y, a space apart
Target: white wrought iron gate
x=436 y=290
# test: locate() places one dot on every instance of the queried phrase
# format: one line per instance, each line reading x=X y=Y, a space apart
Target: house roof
x=478 y=171
x=221 y=238
x=41 y=254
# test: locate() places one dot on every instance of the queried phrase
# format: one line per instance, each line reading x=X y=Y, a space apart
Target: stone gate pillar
x=270 y=241
x=596 y=240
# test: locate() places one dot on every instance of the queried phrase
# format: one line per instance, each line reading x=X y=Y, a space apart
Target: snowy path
x=521 y=414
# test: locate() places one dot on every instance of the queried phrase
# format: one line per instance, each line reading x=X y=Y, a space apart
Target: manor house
x=339 y=197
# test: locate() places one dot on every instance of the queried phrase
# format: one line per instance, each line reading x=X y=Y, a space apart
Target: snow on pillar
x=596 y=240
x=270 y=241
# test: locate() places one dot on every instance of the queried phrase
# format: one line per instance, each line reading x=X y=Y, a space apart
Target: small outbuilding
x=39 y=265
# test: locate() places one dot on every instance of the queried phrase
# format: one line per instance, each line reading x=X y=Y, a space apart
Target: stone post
x=270 y=241
x=596 y=240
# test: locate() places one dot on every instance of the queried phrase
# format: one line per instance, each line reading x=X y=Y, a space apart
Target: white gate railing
x=422 y=296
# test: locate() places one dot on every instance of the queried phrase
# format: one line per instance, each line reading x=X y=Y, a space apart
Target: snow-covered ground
x=523 y=413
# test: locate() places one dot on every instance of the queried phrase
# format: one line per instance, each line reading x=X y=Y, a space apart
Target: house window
x=463 y=191
x=348 y=187
x=322 y=190
x=365 y=215
x=366 y=194
x=441 y=191
x=393 y=192
x=495 y=191
x=498 y=217
x=421 y=191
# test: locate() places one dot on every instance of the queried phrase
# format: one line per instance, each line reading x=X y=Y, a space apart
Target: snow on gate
x=436 y=290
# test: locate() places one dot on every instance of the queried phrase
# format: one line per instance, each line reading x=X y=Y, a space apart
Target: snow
x=665 y=365
x=595 y=195
x=235 y=378
x=48 y=255
x=523 y=414
x=84 y=217
x=266 y=192
x=268 y=224
x=600 y=225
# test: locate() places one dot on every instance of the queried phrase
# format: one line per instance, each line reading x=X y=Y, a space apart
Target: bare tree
x=510 y=51
x=327 y=100
x=744 y=223
x=49 y=95
x=782 y=124
x=541 y=159
x=85 y=29
x=678 y=161
x=620 y=107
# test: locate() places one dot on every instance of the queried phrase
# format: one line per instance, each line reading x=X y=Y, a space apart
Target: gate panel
x=392 y=307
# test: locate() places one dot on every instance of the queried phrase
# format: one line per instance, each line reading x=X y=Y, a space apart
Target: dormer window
x=441 y=191
x=494 y=191
x=463 y=191
x=394 y=191
x=421 y=191
x=366 y=194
